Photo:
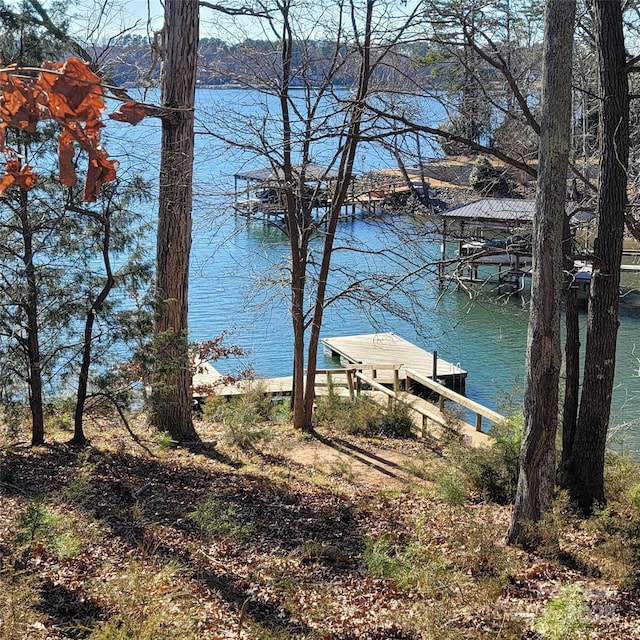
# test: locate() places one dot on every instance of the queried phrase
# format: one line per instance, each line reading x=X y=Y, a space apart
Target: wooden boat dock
x=385 y=367
x=390 y=349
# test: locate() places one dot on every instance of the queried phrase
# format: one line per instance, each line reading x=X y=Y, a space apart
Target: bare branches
x=46 y=22
x=240 y=11
x=499 y=63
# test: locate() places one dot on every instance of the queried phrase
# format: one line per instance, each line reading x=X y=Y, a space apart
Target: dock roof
x=265 y=174
x=507 y=211
x=494 y=210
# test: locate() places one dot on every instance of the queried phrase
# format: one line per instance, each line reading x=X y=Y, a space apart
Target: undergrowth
x=417 y=565
x=364 y=417
x=18 y=599
x=492 y=471
x=215 y=517
x=309 y=560
x=245 y=418
x=565 y=617
x=147 y=603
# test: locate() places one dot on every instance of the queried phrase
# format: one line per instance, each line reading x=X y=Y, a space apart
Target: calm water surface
x=236 y=286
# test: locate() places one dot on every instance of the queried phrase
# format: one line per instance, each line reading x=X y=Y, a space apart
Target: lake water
x=237 y=285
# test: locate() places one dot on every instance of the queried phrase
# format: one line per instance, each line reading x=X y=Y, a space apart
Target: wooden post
x=441 y=403
x=443 y=246
x=352 y=394
x=235 y=191
x=478 y=422
x=435 y=366
x=396 y=379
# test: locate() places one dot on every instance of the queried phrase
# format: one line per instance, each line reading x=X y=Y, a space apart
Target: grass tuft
x=565 y=617
x=217 y=518
x=147 y=604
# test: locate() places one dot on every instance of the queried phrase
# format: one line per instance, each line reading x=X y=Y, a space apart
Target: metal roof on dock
x=505 y=210
x=495 y=210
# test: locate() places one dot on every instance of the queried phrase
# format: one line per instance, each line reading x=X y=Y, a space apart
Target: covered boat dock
x=262 y=192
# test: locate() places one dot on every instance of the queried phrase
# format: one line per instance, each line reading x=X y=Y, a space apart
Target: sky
x=133 y=15
x=140 y=9
x=117 y=16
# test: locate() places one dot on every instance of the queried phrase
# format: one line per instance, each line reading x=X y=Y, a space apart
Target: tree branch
x=501 y=66
x=241 y=11
x=58 y=33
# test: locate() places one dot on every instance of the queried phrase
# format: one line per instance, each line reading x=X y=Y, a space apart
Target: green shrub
x=14 y=416
x=59 y=413
x=18 y=600
x=364 y=416
x=394 y=422
x=244 y=417
x=35 y=525
x=492 y=471
x=217 y=518
x=79 y=489
x=411 y=568
x=620 y=472
x=620 y=520
x=164 y=440
x=39 y=525
x=450 y=487
x=479 y=550
x=398 y=566
x=566 y=617
x=344 y=414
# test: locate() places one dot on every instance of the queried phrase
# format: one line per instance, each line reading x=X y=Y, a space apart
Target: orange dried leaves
x=70 y=94
x=131 y=112
x=16 y=174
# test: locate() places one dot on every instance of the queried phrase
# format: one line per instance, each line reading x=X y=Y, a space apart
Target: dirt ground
x=371 y=467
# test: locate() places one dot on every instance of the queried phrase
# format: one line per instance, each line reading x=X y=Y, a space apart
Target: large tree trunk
x=32 y=340
x=171 y=401
x=583 y=473
x=537 y=456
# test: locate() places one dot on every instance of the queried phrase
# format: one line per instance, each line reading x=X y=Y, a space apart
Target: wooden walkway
x=382 y=373
x=208 y=380
x=390 y=349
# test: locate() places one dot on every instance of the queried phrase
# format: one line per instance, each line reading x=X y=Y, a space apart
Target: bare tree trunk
x=537 y=456
x=32 y=340
x=85 y=366
x=345 y=174
x=171 y=402
x=571 y=348
x=583 y=472
x=298 y=227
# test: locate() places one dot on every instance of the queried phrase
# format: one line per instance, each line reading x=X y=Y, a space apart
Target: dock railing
x=444 y=393
x=356 y=378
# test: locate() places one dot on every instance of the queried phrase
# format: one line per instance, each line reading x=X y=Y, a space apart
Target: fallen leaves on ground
x=280 y=553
